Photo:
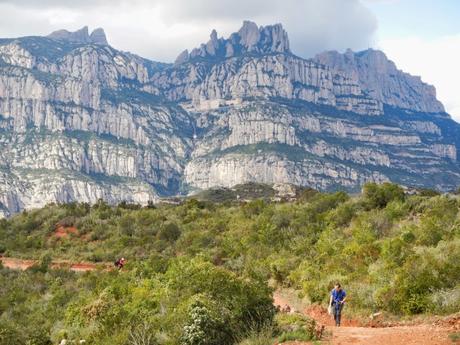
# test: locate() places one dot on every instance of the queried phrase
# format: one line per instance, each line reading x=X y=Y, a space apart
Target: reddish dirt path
x=19 y=264
x=64 y=232
x=400 y=335
x=352 y=334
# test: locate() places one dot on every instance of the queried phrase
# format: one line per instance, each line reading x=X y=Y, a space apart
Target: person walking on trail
x=120 y=263
x=337 y=300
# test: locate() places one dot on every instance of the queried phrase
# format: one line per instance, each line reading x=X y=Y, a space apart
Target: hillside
x=83 y=121
x=394 y=253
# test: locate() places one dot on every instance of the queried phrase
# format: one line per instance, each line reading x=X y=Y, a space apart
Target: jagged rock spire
x=249 y=39
x=249 y=35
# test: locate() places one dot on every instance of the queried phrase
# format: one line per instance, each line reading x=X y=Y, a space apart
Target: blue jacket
x=338 y=296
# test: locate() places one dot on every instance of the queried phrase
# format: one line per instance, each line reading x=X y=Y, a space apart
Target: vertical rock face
x=73 y=128
x=269 y=75
x=274 y=39
x=80 y=120
x=249 y=35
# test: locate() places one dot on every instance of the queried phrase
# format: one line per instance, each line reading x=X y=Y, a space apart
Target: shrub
x=142 y=334
x=254 y=208
x=43 y=264
x=170 y=232
x=207 y=325
x=127 y=225
x=10 y=335
x=295 y=327
x=259 y=337
x=378 y=196
x=248 y=300
x=446 y=301
x=38 y=337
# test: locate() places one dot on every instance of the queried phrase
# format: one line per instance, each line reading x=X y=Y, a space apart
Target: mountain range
x=83 y=121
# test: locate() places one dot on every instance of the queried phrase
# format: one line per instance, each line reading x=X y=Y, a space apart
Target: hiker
x=286 y=309
x=120 y=263
x=337 y=300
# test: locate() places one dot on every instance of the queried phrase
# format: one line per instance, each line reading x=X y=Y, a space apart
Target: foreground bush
x=295 y=327
x=192 y=303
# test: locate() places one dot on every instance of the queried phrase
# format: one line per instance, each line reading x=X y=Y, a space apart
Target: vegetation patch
x=198 y=272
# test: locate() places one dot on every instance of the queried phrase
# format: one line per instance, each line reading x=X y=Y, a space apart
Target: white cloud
x=436 y=60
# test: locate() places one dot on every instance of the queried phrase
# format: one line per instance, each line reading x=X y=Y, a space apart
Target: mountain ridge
x=81 y=120
x=249 y=39
x=81 y=36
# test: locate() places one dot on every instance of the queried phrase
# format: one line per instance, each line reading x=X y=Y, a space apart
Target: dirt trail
x=352 y=334
x=20 y=264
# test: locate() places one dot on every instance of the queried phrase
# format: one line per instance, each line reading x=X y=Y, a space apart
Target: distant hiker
x=120 y=263
x=337 y=300
x=286 y=309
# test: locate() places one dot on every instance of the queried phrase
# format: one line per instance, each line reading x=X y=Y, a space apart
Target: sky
x=421 y=36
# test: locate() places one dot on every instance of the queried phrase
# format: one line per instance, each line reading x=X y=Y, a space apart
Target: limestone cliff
x=80 y=120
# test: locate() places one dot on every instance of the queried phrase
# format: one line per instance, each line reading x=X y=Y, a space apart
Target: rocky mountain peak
x=249 y=35
x=182 y=58
x=98 y=37
x=380 y=77
x=249 y=39
x=274 y=38
x=81 y=36
x=214 y=35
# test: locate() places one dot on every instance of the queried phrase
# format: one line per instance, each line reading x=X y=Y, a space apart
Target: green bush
x=207 y=325
x=170 y=232
x=10 y=335
x=295 y=327
x=378 y=196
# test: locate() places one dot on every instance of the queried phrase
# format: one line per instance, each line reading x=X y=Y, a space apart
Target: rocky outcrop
x=254 y=129
x=379 y=77
x=31 y=188
x=249 y=39
x=81 y=36
x=80 y=120
x=98 y=37
x=231 y=169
